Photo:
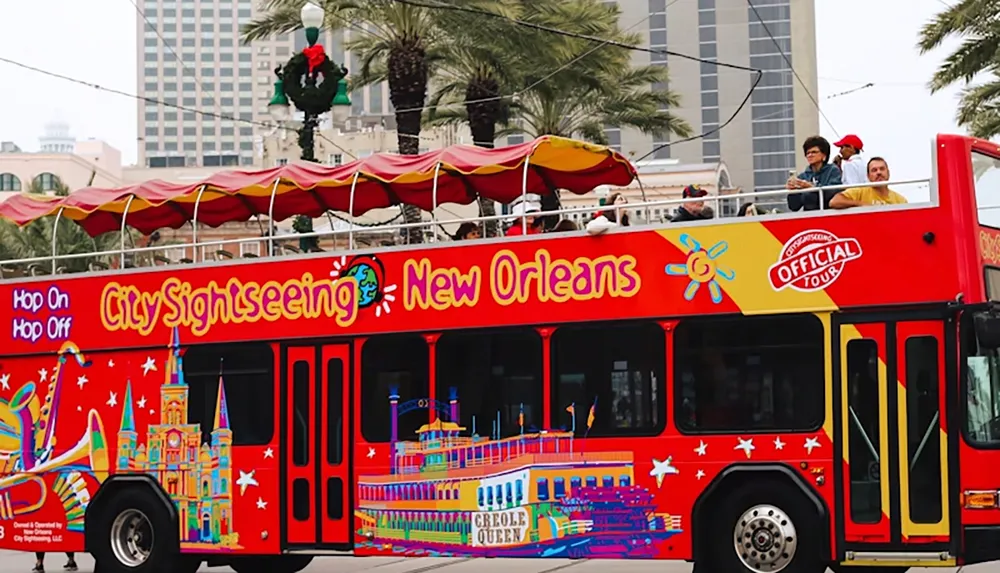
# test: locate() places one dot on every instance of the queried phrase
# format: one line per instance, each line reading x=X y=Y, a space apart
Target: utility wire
x=194 y=75
x=607 y=42
x=158 y=102
x=784 y=56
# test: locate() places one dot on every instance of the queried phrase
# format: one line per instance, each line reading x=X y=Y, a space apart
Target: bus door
x=891 y=437
x=315 y=456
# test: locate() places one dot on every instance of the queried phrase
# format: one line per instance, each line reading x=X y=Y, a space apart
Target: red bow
x=315 y=55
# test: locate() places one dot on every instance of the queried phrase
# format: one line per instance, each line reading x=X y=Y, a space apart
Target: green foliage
x=35 y=240
x=977 y=24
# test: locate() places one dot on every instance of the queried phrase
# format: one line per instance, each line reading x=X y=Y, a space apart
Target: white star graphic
x=246 y=480
x=261 y=504
x=745 y=445
x=702 y=446
x=79 y=408
x=810 y=444
x=661 y=469
x=4 y=381
x=371 y=453
x=81 y=380
x=142 y=402
x=42 y=374
x=700 y=474
x=111 y=363
x=778 y=444
x=112 y=400
x=151 y=411
x=150 y=364
x=268 y=453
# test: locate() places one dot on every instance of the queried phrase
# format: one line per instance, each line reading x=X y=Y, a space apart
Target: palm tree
x=976 y=22
x=399 y=43
x=35 y=239
x=489 y=60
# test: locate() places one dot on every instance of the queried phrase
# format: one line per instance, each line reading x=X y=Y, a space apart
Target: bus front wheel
x=132 y=530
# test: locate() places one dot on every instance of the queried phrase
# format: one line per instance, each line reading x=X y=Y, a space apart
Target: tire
x=134 y=534
x=271 y=563
x=761 y=528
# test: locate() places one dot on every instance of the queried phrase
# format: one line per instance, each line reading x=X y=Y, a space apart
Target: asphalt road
x=15 y=562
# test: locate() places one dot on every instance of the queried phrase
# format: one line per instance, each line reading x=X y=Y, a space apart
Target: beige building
x=663 y=180
x=763 y=142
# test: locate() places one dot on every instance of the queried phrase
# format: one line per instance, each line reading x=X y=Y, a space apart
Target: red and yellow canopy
x=383 y=180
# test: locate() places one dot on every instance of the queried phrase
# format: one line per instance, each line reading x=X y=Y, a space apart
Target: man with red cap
x=850 y=162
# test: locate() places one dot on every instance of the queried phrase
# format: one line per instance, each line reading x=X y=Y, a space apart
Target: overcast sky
x=859 y=41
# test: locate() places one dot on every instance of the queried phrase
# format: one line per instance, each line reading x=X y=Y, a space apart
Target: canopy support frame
x=642 y=193
x=194 y=224
x=434 y=202
x=55 y=229
x=128 y=205
x=270 y=218
x=350 y=212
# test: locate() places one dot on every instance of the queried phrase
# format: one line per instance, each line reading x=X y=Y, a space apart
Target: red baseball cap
x=692 y=191
x=852 y=140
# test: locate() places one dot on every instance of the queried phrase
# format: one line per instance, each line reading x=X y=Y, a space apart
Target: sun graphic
x=370 y=274
x=701 y=267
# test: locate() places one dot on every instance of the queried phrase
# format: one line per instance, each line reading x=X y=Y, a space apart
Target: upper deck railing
x=130 y=257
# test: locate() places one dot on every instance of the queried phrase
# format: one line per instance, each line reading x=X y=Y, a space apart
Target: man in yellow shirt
x=878 y=171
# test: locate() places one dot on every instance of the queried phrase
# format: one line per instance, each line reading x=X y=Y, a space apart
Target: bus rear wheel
x=769 y=531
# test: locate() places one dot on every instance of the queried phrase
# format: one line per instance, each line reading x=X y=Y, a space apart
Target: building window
x=336 y=159
x=496 y=375
x=9 y=182
x=749 y=374
x=615 y=369
x=247 y=372
x=393 y=362
x=46 y=182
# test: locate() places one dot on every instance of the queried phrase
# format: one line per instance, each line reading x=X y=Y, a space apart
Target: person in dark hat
x=467 y=232
x=695 y=209
x=820 y=173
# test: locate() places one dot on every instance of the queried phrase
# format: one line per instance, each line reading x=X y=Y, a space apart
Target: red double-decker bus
x=774 y=393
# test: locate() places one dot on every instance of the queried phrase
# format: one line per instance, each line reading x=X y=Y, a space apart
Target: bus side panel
x=68 y=423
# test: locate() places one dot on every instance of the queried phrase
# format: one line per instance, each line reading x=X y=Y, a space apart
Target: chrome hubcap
x=132 y=538
x=765 y=539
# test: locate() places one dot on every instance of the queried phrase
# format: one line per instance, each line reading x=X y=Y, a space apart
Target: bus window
x=395 y=361
x=923 y=420
x=618 y=369
x=982 y=388
x=492 y=372
x=749 y=374
x=863 y=433
x=247 y=371
x=986 y=172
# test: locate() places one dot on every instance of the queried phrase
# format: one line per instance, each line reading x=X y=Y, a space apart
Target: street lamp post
x=314 y=85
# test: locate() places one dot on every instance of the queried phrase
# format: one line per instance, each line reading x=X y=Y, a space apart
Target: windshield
x=982 y=388
x=986 y=173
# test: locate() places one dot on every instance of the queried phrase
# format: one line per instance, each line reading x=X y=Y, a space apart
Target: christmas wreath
x=311 y=97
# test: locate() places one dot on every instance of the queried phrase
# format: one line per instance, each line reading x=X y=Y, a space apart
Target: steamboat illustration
x=530 y=495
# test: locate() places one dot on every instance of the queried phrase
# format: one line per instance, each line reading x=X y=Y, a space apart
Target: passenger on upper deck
x=692 y=210
x=851 y=164
x=878 y=170
x=467 y=231
x=820 y=173
x=617 y=201
x=523 y=209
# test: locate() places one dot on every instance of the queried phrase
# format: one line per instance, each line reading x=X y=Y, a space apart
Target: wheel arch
x=120 y=482
x=737 y=475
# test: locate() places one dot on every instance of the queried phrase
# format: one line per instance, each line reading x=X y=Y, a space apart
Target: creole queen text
x=179 y=303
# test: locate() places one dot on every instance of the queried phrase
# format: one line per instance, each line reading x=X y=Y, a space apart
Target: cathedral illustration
x=197 y=476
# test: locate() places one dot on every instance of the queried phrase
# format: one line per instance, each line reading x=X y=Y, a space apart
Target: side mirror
x=987 y=329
